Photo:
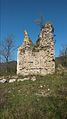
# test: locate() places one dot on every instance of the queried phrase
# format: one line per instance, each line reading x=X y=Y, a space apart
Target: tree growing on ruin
x=40 y=22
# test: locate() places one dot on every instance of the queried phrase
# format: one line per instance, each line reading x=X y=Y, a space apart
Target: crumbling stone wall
x=38 y=58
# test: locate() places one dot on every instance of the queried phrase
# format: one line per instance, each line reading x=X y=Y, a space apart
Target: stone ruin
x=37 y=59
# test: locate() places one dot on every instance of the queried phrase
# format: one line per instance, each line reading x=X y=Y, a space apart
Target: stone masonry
x=37 y=59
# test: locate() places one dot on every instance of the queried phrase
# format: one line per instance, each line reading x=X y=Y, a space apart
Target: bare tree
x=6 y=49
x=63 y=54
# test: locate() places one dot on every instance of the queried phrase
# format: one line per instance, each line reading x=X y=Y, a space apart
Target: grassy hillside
x=45 y=98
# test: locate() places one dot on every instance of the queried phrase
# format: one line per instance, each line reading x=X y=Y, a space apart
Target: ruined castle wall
x=40 y=61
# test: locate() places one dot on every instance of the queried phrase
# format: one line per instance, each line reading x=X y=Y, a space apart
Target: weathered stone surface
x=24 y=79
x=37 y=59
x=33 y=78
x=3 y=80
x=12 y=80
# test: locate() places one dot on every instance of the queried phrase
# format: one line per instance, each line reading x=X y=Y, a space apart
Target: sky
x=19 y=15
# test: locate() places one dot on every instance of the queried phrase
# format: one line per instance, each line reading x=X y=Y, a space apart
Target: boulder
x=3 y=80
x=12 y=80
x=33 y=78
